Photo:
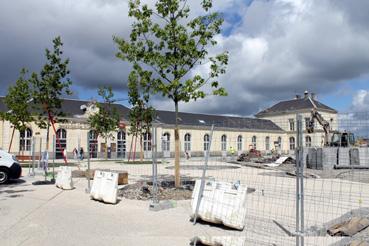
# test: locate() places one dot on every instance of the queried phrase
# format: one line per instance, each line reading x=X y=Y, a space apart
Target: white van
x=9 y=167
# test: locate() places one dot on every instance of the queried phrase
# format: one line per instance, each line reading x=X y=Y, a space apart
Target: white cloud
x=277 y=49
x=360 y=101
x=284 y=47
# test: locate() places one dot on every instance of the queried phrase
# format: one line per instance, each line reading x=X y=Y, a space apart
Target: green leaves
x=106 y=120
x=17 y=101
x=169 y=45
x=141 y=114
x=51 y=83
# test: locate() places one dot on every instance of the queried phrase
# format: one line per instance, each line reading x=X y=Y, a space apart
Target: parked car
x=9 y=167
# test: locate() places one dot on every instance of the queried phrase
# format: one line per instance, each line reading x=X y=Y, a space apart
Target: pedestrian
x=65 y=154
x=231 y=149
x=75 y=154
x=45 y=161
x=187 y=155
x=81 y=154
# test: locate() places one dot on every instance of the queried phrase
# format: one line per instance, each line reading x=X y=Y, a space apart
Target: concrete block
x=319 y=158
x=364 y=156
x=343 y=157
x=305 y=157
x=64 y=178
x=105 y=187
x=311 y=158
x=329 y=158
x=221 y=203
x=354 y=157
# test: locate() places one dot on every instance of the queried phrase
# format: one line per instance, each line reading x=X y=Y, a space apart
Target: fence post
x=88 y=165
x=202 y=184
x=155 y=199
x=299 y=183
x=54 y=156
x=33 y=158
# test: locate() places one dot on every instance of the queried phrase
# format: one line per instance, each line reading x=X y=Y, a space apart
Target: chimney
x=313 y=96
x=306 y=94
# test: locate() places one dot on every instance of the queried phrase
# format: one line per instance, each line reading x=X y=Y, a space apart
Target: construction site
x=310 y=188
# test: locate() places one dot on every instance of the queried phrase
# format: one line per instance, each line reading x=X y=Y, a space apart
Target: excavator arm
x=325 y=124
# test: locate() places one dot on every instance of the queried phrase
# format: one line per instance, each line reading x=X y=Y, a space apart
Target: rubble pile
x=144 y=191
x=255 y=156
x=352 y=227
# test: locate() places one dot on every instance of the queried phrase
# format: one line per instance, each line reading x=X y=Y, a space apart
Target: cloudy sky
x=277 y=49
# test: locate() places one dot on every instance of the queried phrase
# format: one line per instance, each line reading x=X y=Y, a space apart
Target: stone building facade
x=272 y=129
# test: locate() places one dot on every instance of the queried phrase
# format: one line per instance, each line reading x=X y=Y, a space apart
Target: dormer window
x=292 y=124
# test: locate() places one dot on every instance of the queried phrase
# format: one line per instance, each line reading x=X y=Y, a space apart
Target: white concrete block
x=105 y=187
x=221 y=203
x=64 y=178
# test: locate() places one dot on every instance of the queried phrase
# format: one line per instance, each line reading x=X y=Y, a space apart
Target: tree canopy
x=169 y=48
x=106 y=119
x=17 y=101
x=50 y=84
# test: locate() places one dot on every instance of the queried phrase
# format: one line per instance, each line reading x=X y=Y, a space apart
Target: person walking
x=81 y=154
x=232 y=151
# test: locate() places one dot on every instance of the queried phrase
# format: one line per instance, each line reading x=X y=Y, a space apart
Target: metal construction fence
x=281 y=181
x=271 y=188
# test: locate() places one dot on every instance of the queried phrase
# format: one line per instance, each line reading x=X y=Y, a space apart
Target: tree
x=17 y=101
x=49 y=86
x=106 y=119
x=166 y=45
x=141 y=114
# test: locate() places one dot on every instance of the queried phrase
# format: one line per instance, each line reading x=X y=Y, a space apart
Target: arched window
x=253 y=142
x=308 y=141
x=292 y=143
x=206 y=142
x=25 y=140
x=267 y=143
x=165 y=145
x=121 y=141
x=147 y=142
x=224 y=143
x=187 y=142
x=280 y=142
x=239 y=143
x=62 y=135
x=92 y=141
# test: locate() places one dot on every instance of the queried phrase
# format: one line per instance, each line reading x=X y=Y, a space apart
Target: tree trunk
x=177 y=149
x=106 y=148
x=11 y=140
x=141 y=150
x=134 y=148
x=130 y=149
x=47 y=136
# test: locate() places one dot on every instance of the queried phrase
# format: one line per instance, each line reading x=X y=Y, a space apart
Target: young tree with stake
x=49 y=86
x=167 y=45
x=141 y=114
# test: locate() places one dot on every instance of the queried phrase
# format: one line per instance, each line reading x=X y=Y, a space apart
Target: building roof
x=72 y=108
x=294 y=105
x=191 y=119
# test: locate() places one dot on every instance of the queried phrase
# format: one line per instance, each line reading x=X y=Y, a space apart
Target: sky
x=277 y=48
